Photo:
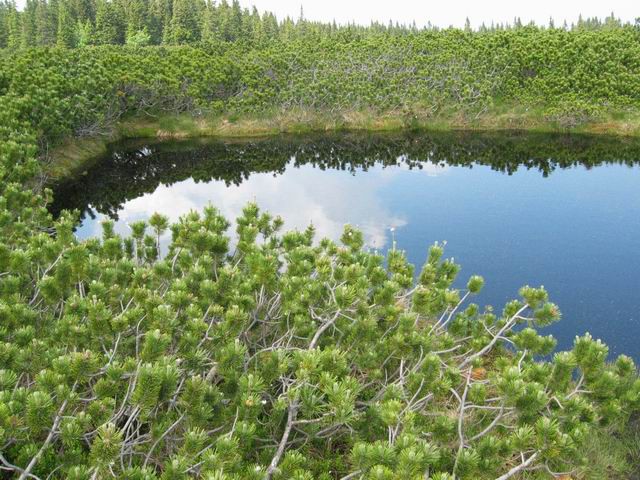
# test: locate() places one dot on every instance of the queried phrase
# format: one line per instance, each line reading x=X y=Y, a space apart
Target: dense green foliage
x=572 y=76
x=267 y=355
x=279 y=358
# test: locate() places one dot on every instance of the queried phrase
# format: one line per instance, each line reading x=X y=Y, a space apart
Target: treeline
x=73 y=23
x=77 y=23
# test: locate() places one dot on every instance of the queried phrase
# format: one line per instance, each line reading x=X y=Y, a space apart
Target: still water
x=563 y=212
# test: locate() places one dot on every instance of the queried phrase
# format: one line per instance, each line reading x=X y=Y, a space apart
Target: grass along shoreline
x=74 y=155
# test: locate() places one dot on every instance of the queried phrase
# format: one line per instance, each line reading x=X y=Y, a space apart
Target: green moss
x=73 y=156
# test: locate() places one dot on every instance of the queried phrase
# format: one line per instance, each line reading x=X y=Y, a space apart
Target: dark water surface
x=563 y=212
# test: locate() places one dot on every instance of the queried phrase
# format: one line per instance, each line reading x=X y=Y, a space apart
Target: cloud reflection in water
x=296 y=195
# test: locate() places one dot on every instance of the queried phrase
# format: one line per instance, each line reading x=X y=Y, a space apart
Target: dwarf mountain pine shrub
x=282 y=358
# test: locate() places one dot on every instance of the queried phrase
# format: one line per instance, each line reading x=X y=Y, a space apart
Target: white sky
x=448 y=12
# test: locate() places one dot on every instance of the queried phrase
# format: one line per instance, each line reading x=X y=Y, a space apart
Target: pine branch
x=495 y=339
x=15 y=468
x=56 y=423
x=291 y=417
x=519 y=468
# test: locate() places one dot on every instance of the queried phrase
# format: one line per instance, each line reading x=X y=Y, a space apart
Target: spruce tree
x=225 y=21
x=135 y=16
x=45 y=32
x=110 y=28
x=14 y=28
x=184 y=26
x=256 y=26
x=5 y=12
x=84 y=33
x=246 y=26
x=211 y=24
x=139 y=38
x=159 y=14
x=83 y=10
x=66 y=36
x=235 y=21
x=270 y=25
x=28 y=23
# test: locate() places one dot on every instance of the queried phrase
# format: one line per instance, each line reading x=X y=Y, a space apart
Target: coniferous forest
x=78 y=23
x=254 y=353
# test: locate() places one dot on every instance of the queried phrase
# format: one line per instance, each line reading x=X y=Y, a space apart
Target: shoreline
x=73 y=156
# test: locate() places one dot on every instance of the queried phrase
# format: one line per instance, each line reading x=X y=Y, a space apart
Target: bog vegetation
x=214 y=60
x=268 y=355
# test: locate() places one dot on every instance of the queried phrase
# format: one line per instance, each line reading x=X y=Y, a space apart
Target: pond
x=559 y=211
